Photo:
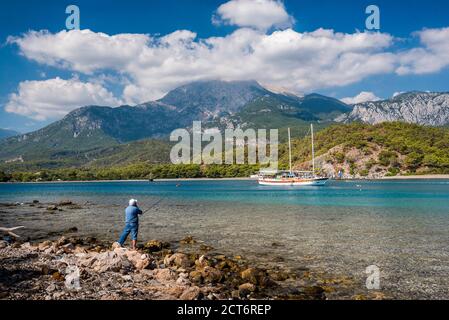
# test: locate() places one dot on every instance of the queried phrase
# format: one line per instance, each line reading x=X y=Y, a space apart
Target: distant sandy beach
x=424 y=176
x=139 y=180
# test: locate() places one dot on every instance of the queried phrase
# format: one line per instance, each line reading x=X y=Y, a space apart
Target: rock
x=107 y=261
x=61 y=241
x=183 y=280
x=46 y=270
x=179 y=259
x=156 y=245
x=57 y=276
x=28 y=246
x=87 y=261
x=140 y=261
x=127 y=278
x=16 y=245
x=35 y=201
x=188 y=240
x=49 y=250
x=72 y=230
x=250 y=275
x=164 y=275
x=257 y=277
x=191 y=293
x=58 y=295
x=78 y=249
x=65 y=203
x=246 y=288
x=211 y=275
x=279 y=275
x=91 y=240
x=202 y=262
x=3 y=244
x=204 y=247
x=196 y=276
x=315 y=292
x=142 y=264
x=220 y=257
x=235 y=294
x=116 y=245
x=51 y=288
x=68 y=248
x=52 y=208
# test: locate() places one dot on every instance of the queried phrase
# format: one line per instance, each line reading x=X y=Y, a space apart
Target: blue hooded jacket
x=132 y=214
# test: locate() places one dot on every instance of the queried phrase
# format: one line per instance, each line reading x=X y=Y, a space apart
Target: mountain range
x=6 y=133
x=85 y=134
x=101 y=135
x=426 y=108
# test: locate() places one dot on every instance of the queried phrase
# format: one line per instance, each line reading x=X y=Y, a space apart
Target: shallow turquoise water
x=418 y=195
x=341 y=228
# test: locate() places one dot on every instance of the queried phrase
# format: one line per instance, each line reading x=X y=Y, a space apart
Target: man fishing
x=132 y=213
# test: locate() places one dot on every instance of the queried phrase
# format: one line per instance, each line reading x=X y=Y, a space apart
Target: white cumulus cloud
x=259 y=14
x=154 y=65
x=148 y=66
x=431 y=57
x=363 y=96
x=54 y=98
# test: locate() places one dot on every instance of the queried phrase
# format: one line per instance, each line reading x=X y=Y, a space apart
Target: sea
x=401 y=227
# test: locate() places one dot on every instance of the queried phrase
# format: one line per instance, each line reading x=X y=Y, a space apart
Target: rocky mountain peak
x=427 y=108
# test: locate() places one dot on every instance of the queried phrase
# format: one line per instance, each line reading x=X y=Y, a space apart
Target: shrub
x=387 y=158
x=413 y=160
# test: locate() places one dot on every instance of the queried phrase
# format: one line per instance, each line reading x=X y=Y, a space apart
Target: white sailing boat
x=293 y=178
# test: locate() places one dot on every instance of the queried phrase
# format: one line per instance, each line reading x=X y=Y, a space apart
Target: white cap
x=133 y=202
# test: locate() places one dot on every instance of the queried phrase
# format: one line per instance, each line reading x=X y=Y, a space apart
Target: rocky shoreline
x=84 y=268
x=70 y=265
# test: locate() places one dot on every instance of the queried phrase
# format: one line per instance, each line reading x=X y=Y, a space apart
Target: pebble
x=51 y=288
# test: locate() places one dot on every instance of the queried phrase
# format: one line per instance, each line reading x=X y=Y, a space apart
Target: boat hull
x=293 y=182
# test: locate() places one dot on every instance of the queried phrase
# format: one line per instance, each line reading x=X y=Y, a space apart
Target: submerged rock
x=191 y=293
x=188 y=240
x=156 y=245
x=72 y=230
x=65 y=203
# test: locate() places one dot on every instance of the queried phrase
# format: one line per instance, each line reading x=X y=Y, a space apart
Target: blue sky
x=19 y=61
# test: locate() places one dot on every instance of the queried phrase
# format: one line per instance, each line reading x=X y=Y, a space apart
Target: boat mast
x=290 y=150
x=313 y=150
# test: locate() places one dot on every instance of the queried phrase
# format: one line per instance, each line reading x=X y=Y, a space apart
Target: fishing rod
x=153 y=205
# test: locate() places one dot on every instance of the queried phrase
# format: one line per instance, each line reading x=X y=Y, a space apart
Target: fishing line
x=153 y=205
